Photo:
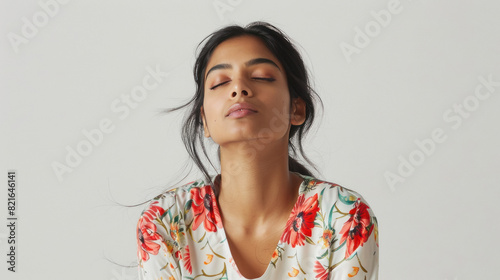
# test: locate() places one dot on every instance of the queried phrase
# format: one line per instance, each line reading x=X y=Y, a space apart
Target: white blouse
x=331 y=233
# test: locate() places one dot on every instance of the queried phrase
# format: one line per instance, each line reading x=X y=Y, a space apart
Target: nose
x=243 y=92
x=241 y=88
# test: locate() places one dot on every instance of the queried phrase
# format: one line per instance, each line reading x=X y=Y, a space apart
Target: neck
x=256 y=186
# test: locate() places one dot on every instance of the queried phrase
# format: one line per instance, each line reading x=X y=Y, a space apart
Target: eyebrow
x=248 y=63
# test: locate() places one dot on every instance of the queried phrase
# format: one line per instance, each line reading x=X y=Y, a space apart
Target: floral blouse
x=331 y=233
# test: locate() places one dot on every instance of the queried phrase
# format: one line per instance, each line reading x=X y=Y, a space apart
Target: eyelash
x=257 y=78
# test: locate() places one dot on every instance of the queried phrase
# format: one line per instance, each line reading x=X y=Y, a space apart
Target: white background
x=439 y=223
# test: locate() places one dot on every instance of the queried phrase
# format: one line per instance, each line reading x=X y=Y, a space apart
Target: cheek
x=281 y=101
x=283 y=95
x=213 y=110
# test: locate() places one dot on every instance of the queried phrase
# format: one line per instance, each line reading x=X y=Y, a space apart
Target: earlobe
x=205 y=127
x=299 y=111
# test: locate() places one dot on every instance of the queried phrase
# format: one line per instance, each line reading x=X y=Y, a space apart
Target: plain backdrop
x=411 y=90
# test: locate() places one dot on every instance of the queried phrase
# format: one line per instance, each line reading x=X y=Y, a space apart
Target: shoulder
x=336 y=202
x=328 y=191
x=172 y=200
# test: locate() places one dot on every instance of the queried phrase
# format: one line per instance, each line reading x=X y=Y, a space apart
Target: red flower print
x=321 y=272
x=146 y=234
x=301 y=221
x=205 y=209
x=153 y=212
x=187 y=260
x=357 y=229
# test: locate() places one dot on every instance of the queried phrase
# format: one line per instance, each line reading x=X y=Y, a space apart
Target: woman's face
x=243 y=70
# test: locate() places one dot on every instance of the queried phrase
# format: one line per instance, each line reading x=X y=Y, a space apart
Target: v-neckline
x=227 y=248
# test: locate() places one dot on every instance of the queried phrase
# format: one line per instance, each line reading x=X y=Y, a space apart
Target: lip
x=246 y=107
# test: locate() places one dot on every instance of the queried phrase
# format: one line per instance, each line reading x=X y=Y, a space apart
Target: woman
x=265 y=216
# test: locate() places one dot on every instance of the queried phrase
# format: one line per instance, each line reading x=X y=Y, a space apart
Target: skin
x=257 y=191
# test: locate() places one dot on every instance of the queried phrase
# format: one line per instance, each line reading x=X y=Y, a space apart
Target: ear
x=205 y=127
x=298 y=114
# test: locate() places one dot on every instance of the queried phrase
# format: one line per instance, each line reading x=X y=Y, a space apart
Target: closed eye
x=265 y=79
x=214 y=87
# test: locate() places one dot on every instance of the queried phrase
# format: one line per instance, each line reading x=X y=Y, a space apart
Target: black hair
x=298 y=84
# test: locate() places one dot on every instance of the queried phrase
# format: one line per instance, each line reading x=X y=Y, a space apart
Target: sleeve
x=356 y=257
x=156 y=251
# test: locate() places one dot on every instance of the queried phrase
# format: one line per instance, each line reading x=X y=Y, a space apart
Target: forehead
x=239 y=50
